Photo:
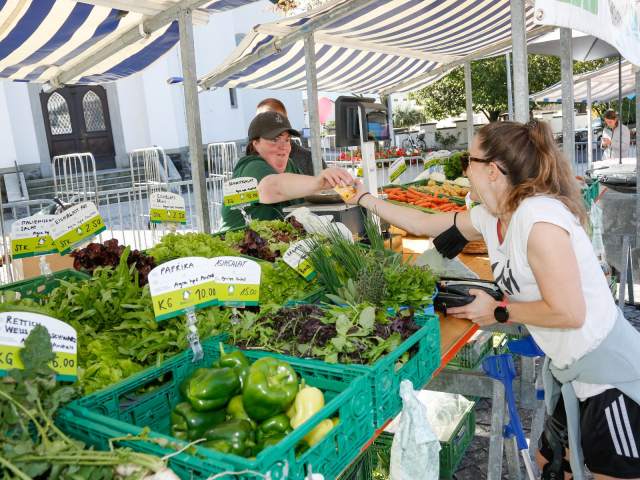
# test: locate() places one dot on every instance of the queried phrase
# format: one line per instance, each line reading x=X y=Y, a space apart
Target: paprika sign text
x=182 y=283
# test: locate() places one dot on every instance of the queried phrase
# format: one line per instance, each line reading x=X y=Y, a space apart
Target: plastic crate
x=452 y=450
x=591 y=192
x=499 y=343
x=382 y=377
x=360 y=469
x=614 y=288
x=471 y=355
x=117 y=411
x=37 y=288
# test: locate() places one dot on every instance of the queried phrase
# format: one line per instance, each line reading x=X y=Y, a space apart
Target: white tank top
x=513 y=274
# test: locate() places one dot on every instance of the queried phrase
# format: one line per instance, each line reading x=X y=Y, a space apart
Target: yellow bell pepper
x=336 y=421
x=308 y=401
x=318 y=433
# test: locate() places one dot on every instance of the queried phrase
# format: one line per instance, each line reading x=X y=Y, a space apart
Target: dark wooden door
x=77 y=121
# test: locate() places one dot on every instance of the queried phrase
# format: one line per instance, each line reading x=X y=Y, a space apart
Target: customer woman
x=533 y=222
x=280 y=182
x=611 y=137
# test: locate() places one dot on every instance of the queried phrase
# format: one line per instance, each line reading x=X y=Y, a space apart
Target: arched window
x=59 y=117
x=93 y=112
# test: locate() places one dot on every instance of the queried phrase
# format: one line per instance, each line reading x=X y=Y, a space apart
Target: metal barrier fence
x=221 y=160
x=75 y=175
x=581 y=156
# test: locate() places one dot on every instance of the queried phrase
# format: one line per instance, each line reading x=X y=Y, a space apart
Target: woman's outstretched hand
x=480 y=311
x=360 y=190
x=330 y=177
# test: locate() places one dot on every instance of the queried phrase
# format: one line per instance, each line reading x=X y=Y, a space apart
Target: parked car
x=582 y=134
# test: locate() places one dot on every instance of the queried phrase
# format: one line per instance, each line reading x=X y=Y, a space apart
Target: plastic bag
x=313 y=223
x=595 y=215
x=415 y=449
x=443 y=267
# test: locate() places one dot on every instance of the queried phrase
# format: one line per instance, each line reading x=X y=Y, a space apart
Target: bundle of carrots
x=422 y=199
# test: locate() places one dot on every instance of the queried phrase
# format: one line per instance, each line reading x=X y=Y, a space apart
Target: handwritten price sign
x=30 y=237
x=75 y=226
x=240 y=192
x=167 y=207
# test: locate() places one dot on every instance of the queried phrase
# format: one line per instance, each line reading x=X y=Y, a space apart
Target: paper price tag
x=238 y=281
x=167 y=207
x=14 y=330
x=76 y=226
x=240 y=191
x=182 y=283
x=396 y=168
x=296 y=258
x=30 y=237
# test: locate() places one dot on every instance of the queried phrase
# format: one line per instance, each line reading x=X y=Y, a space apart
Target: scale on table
x=359 y=123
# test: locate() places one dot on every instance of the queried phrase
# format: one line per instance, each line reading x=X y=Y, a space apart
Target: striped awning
x=39 y=39
x=377 y=46
x=604 y=85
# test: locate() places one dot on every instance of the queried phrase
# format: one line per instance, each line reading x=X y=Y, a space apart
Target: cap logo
x=278 y=118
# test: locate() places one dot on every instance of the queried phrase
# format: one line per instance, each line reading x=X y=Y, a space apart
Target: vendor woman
x=533 y=222
x=280 y=182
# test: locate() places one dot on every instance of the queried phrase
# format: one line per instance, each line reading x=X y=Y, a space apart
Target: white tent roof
x=369 y=46
x=604 y=85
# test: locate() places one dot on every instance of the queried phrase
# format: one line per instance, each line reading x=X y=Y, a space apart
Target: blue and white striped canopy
x=604 y=85
x=41 y=38
x=378 y=47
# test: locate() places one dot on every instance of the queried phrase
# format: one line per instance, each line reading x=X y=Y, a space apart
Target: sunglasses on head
x=465 y=159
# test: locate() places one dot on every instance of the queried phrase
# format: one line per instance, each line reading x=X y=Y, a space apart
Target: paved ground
x=474 y=464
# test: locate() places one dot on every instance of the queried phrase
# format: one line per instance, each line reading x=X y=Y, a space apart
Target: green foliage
x=176 y=245
x=451 y=166
x=447 y=97
x=31 y=445
x=405 y=116
x=447 y=140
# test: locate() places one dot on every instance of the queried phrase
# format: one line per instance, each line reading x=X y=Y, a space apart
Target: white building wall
x=22 y=131
x=7 y=144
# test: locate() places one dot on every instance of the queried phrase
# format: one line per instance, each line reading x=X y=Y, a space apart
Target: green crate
x=360 y=469
x=382 y=377
x=469 y=358
x=36 y=288
x=452 y=450
x=119 y=410
x=591 y=193
x=614 y=288
x=499 y=343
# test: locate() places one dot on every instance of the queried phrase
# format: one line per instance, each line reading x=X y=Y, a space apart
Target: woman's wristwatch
x=501 y=313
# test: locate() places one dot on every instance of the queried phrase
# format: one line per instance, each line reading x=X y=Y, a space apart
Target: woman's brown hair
x=535 y=164
x=612 y=115
x=251 y=149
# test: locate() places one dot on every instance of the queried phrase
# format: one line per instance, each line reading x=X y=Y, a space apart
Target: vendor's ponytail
x=535 y=164
x=251 y=149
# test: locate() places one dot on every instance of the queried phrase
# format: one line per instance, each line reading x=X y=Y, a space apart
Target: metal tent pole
x=637 y=75
x=312 y=99
x=520 y=72
x=566 y=66
x=392 y=137
x=589 y=129
x=620 y=104
x=194 y=132
x=509 y=94
x=468 y=93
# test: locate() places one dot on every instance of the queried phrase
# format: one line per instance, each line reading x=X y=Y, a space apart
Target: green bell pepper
x=211 y=388
x=274 y=439
x=236 y=361
x=232 y=436
x=185 y=383
x=301 y=448
x=270 y=387
x=278 y=424
x=189 y=424
x=236 y=411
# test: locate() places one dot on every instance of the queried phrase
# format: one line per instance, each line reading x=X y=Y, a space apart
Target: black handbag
x=454 y=292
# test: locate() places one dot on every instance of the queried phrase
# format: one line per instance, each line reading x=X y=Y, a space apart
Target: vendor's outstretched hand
x=330 y=177
x=360 y=190
x=480 y=311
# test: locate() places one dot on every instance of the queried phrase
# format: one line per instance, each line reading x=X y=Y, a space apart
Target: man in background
x=299 y=155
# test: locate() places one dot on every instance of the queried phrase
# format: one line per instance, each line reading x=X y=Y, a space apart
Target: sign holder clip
x=193 y=336
x=45 y=269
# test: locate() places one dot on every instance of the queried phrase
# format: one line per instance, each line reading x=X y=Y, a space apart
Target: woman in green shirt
x=280 y=182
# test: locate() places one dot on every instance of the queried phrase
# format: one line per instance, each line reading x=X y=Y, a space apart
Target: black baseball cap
x=269 y=125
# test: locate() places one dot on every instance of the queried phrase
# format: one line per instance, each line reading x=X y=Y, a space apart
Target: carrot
x=435 y=195
x=446 y=208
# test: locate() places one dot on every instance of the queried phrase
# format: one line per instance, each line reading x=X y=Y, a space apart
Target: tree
x=405 y=116
x=628 y=113
x=447 y=97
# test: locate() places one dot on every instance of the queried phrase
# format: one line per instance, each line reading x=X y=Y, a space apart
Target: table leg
x=498 y=413
x=513 y=458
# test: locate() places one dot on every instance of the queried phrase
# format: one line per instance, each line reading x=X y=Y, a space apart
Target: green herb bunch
x=32 y=446
x=356 y=334
x=178 y=245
